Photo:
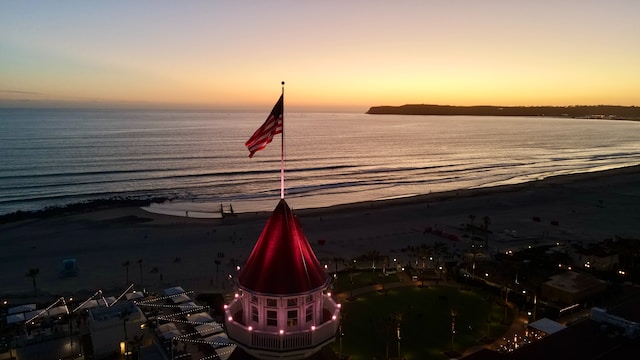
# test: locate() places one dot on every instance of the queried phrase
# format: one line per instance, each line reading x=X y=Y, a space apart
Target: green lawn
x=361 y=279
x=424 y=315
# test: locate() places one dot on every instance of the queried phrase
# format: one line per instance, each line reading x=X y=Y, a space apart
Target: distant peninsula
x=578 y=111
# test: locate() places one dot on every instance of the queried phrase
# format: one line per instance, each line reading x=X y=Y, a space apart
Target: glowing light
x=230 y=318
x=236 y=295
x=281 y=332
x=226 y=306
x=333 y=317
x=313 y=327
x=250 y=328
x=329 y=294
x=339 y=305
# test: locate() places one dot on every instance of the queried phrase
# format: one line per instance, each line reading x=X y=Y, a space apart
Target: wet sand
x=183 y=251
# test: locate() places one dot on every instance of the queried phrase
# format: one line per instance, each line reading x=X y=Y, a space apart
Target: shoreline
x=556 y=180
x=176 y=250
x=165 y=205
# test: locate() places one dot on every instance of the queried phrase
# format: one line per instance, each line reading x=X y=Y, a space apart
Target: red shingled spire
x=282 y=262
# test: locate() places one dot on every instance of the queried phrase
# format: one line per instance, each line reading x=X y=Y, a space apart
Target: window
x=254 y=299
x=292 y=302
x=310 y=299
x=308 y=316
x=272 y=318
x=254 y=314
x=272 y=302
x=292 y=317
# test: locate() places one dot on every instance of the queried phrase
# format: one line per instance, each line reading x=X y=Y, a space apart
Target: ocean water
x=51 y=157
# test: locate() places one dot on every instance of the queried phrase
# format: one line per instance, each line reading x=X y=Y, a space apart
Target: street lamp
x=453 y=326
x=398 y=337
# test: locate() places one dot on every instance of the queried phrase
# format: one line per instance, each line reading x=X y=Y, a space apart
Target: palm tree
x=137 y=340
x=140 y=265
x=487 y=221
x=472 y=219
x=126 y=265
x=33 y=273
x=124 y=316
x=217 y=262
x=335 y=262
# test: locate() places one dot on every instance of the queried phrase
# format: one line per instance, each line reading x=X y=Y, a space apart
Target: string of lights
x=156 y=299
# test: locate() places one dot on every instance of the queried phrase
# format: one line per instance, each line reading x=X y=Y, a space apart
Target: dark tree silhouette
x=140 y=265
x=126 y=265
x=33 y=273
x=217 y=262
x=124 y=316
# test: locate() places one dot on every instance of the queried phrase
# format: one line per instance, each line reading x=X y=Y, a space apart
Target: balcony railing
x=287 y=340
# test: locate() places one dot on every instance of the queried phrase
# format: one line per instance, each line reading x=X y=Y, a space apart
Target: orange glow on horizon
x=227 y=55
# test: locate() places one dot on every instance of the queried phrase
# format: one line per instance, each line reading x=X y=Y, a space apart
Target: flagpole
x=282 y=149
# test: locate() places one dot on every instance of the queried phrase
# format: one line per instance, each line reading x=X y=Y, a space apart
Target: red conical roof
x=282 y=262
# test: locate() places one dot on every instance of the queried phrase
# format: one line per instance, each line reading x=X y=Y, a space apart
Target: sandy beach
x=165 y=250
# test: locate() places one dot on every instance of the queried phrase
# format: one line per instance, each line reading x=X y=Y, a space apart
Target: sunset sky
x=333 y=55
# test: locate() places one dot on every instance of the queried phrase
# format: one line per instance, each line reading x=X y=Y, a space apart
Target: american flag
x=271 y=127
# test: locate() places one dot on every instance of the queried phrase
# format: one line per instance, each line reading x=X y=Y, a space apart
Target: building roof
x=547 y=326
x=573 y=282
x=282 y=262
x=116 y=311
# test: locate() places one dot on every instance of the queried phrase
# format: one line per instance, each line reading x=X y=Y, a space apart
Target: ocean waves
x=60 y=157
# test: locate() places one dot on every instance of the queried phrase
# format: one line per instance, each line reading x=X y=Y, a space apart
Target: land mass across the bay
x=577 y=111
x=117 y=246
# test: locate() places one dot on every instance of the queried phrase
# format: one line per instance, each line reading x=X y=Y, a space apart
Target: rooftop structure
x=571 y=287
x=281 y=308
x=282 y=252
x=113 y=327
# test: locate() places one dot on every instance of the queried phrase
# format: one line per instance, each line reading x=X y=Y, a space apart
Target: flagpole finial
x=283 y=83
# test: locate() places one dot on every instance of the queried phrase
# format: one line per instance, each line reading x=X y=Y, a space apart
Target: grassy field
x=424 y=318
